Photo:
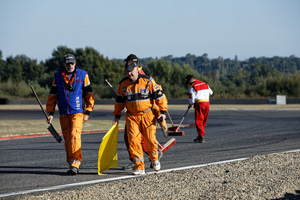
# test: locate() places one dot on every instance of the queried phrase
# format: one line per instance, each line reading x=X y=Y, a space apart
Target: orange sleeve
x=86 y=81
x=161 y=100
x=90 y=102
x=120 y=103
x=52 y=98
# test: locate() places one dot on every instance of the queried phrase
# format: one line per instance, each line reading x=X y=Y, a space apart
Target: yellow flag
x=107 y=157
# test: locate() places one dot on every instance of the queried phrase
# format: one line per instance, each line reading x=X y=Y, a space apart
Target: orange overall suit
x=156 y=112
x=71 y=107
x=138 y=98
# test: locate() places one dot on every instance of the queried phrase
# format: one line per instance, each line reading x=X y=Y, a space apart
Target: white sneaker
x=139 y=172
x=156 y=165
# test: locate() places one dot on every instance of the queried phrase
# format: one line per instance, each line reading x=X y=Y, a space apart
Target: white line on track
x=124 y=177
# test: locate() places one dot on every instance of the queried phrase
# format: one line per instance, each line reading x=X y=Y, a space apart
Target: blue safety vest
x=70 y=102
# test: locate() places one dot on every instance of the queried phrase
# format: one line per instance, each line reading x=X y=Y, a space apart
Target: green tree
x=259 y=72
x=90 y=60
x=284 y=84
x=2 y=68
x=31 y=70
x=56 y=62
x=13 y=69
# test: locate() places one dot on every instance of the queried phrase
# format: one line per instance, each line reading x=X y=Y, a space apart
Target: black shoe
x=73 y=171
x=151 y=165
x=130 y=166
x=199 y=139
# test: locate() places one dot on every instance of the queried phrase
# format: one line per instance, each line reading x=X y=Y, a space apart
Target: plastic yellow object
x=108 y=157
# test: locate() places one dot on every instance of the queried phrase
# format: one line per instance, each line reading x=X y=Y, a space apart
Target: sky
x=156 y=28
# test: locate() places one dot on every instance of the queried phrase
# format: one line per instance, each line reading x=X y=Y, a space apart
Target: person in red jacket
x=199 y=97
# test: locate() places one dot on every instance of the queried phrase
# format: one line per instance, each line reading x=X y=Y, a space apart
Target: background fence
x=170 y=101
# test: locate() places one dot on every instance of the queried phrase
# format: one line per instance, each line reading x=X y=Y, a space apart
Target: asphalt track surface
x=35 y=163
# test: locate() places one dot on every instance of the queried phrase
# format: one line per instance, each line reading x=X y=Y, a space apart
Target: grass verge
x=30 y=127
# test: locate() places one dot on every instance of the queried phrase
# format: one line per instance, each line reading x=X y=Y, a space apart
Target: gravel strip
x=272 y=176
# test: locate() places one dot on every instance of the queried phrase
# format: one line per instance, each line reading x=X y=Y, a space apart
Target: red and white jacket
x=199 y=92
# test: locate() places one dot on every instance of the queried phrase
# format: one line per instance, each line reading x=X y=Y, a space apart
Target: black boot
x=199 y=139
x=73 y=171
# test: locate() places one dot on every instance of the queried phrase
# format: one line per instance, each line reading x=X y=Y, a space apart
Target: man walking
x=71 y=90
x=137 y=92
x=199 y=96
x=156 y=112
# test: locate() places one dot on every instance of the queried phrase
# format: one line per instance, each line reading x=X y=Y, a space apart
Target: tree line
x=229 y=78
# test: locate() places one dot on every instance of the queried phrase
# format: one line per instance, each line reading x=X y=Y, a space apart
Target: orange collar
x=67 y=79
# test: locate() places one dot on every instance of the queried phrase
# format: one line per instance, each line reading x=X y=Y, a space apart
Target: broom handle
x=170 y=118
x=111 y=86
x=183 y=118
x=113 y=89
x=38 y=100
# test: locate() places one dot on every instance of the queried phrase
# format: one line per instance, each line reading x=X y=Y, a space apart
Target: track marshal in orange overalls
x=71 y=90
x=138 y=93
